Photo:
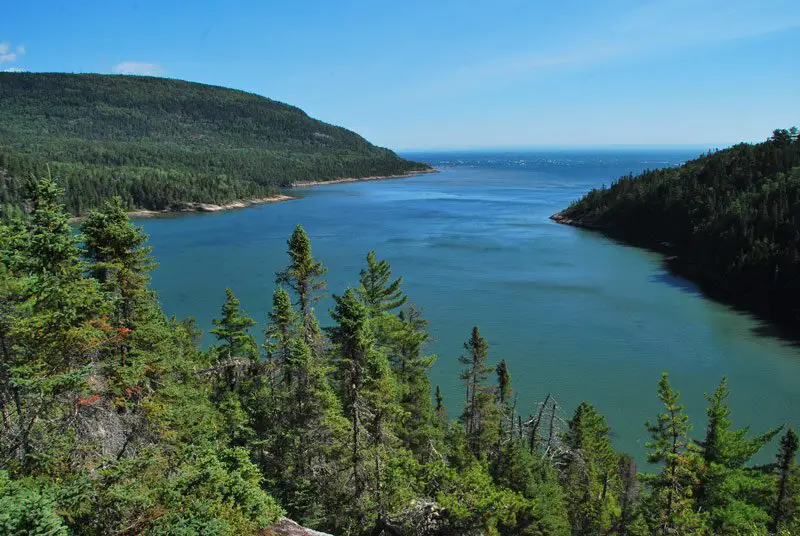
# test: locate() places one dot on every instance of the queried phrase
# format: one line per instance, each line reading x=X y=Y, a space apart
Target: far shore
x=189 y=208
x=304 y=184
x=210 y=207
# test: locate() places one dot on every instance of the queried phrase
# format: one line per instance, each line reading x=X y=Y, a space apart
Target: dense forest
x=730 y=220
x=159 y=143
x=115 y=421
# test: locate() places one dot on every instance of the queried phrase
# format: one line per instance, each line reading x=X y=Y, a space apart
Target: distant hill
x=729 y=220
x=159 y=142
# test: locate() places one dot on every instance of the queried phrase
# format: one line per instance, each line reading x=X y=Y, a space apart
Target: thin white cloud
x=646 y=29
x=13 y=70
x=7 y=55
x=138 y=67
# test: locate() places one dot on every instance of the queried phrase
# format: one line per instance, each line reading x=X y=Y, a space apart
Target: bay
x=574 y=314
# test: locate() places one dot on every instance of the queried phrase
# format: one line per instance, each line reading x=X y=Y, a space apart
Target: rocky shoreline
x=560 y=217
x=210 y=207
x=305 y=184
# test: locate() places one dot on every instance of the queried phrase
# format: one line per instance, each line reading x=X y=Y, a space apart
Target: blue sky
x=453 y=74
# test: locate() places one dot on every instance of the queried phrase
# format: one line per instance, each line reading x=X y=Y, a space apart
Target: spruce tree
x=280 y=331
x=232 y=331
x=51 y=330
x=785 y=505
x=376 y=288
x=303 y=276
x=119 y=258
x=729 y=490
x=589 y=471
x=629 y=495
x=672 y=505
x=368 y=391
x=406 y=341
x=478 y=415
x=441 y=413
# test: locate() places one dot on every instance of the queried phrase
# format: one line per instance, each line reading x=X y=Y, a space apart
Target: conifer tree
x=630 y=491
x=405 y=344
x=49 y=335
x=478 y=415
x=303 y=276
x=729 y=490
x=785 y=505
x=376 y=288
x=672 y=505
x=280 y=331
x=232 y=330
x=119 y=258
x=589 y=473
x=441 y=413
x=368 y=391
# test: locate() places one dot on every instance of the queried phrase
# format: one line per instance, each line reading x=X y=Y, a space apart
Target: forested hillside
x=731 y=220
x=115 y=421
x=157 y=142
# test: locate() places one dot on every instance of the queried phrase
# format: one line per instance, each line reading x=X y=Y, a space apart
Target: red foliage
x=88 y=401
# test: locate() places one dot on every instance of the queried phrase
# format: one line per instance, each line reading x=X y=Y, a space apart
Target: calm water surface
x=573 y=313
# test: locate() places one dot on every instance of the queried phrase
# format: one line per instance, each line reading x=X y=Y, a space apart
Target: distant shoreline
x=211 y=207
x=306 y=184
x=195 y=208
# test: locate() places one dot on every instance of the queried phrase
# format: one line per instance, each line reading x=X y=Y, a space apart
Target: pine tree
x=672 y=505
x=478 y=416
x=377 y=290
x=784 y=507
x=304 y=277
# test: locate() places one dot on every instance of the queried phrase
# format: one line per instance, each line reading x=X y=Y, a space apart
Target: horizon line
x=609 y=146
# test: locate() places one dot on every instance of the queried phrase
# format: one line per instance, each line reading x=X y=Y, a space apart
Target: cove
x=574 y=314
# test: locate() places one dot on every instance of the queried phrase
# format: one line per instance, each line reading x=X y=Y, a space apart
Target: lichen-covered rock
x=287 y=527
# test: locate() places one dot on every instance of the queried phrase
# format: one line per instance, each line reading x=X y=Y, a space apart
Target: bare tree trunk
x=537 y=420
x=551 y=433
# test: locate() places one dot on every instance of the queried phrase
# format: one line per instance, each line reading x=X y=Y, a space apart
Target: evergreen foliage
x=729 y=219
x=160 y=143
x=115 y=421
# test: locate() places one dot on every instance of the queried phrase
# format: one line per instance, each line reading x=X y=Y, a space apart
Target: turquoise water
x=573 y=313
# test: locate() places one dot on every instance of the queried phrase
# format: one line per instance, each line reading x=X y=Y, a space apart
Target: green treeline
x=730 y=218
x=158 y=143
x=115 y=421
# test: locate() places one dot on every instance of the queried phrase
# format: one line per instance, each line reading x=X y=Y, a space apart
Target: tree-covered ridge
x=159 y=142
x=114 y=421
x=731 y=219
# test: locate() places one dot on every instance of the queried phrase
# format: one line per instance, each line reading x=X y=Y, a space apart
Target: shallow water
x=573 y=313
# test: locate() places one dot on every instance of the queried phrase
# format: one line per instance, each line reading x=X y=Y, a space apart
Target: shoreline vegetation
x=407 y=175
x=160 y=144
x=193 y=208
x=727 y=221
